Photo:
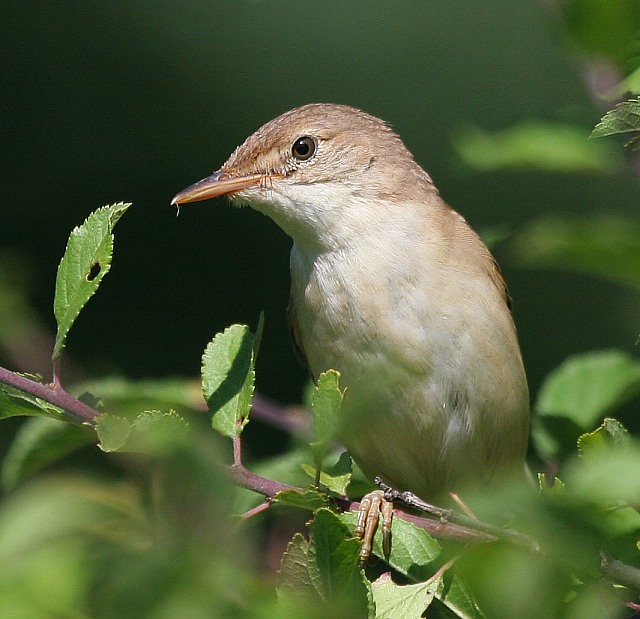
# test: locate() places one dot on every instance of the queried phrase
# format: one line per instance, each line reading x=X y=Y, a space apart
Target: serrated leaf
x=309 y=499
x=587 y=387
x=622 y=119
x=86 y=260
x=38 y=443
x=323 y=573
x=228 y=379
x=607 y=477
x=325 y=408
x=112 y=431
x=395 y=601
x=336 y=557
x=610 y=434
x=151 y=432
x=297 y=587
x=155 y=432
x=325 y=405
x=551 y=487
x=412 y=548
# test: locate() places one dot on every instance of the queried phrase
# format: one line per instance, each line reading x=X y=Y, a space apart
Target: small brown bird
x=393 y=289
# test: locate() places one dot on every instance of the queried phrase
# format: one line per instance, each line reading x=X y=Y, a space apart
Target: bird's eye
x=303 y=148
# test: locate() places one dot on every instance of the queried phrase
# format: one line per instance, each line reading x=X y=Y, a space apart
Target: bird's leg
x=371 y=506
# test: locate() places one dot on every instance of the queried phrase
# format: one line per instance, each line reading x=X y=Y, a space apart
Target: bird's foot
x=371 y=506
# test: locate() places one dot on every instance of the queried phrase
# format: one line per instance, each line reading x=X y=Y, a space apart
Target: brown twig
x=77 y=411
x=440 y=529
x=467 y=522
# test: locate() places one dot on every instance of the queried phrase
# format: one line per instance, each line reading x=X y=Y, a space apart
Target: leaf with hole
x=86 y=260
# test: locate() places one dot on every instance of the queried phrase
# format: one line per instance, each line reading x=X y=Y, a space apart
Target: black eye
x=303 y=148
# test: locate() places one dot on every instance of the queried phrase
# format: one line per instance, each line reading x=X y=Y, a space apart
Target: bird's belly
x=422 y=407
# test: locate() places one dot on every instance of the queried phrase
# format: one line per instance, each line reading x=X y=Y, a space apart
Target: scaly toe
x=371 y=506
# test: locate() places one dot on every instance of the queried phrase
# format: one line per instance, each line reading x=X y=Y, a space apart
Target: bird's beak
x=218 y=184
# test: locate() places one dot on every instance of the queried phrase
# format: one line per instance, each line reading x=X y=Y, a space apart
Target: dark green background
x=133 y=101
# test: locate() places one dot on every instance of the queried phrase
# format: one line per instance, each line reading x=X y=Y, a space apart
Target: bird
x=393 y=289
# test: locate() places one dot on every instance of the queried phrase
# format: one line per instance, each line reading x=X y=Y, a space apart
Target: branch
x=79 y=412
x=449 y=525
x=437 y=528
x=294 y=420
x=619 y=572
x=466 y=522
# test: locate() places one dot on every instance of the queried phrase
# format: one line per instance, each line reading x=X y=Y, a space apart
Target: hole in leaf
x=93 y=271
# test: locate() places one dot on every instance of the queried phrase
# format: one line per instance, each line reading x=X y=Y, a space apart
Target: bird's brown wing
x=294 y=331
x=498 y=280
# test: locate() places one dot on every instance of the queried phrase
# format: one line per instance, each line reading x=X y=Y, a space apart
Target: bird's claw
x=371 y=506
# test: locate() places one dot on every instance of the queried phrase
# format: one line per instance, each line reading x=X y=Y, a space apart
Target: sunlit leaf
x=586 y=387
x=335 y=478
x=578 y=394
x=309 y=499
x=621 y=120
x=113 y=432
x=611 y=433
x=407 y=601
x=412 y=548
x=325 y=407
x=86 y=260
x=228 y=377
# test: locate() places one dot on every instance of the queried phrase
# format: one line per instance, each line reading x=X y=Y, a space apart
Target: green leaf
x=336 y=556
x=534 y=144
x=157 y=432
x=629 y=85
x=551 y=486
x=323 y=573
x=309 y=499
x=587 y=387
x=578 y=394
x=86 y=261
x=603 y=29
x=336 y=478
x=412 y=548
x=298 y=578
x=610 y=434
x=454 y=593
x=605 y=246
x=112 y=431
x=325 y=407
x=402 y=601
x=129 y=397
x=151 y=432
x=38 y=443
x=622 y=119
x=608 y=476
x=228 y=378
x=15 y=402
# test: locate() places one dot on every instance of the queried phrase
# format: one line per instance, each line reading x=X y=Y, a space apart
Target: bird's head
x=315 y=168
